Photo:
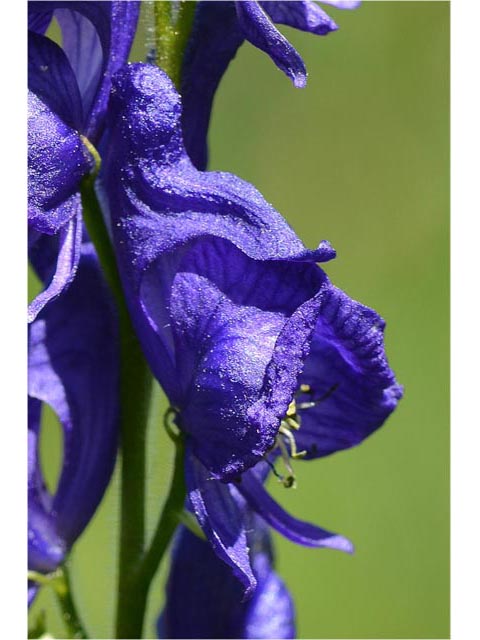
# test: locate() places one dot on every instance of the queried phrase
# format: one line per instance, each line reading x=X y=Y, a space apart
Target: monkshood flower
x=218 y=31
x=72 y=367
x=67 y=101
x=244 y=331
x=200 y=584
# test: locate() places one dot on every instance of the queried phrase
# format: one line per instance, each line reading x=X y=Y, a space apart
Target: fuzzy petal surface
x=57 y=161
x=212 y=272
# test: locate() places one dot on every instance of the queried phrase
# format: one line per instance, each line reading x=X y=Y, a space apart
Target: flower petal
x=51 y=78
x=204 y=586
x=46 y=549
x=65 y=264
x=159 y=204
x=347 y=366
x=83 y=49
x=57 y=161
x=304 y=533
x=305 y=15
x=38 y=21
x=221 y=520
x=215 y=38
x=260 y=31
x=73 y=367
x=115 y=23
x=232 y=319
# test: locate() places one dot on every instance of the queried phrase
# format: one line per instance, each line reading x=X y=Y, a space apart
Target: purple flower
x=67 y=100
x=73 y=368
x=204 y=599
x=260 y=355
x=218 y=31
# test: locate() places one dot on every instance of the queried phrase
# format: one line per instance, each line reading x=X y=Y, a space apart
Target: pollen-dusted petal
x=261 y=32
x=221 y=520
x=73 y=367
x=347 y=364
x=234 y=320
x=167 y=216
x=223 y=295
x=57 y=161
x=304 y=533
x=305 y=15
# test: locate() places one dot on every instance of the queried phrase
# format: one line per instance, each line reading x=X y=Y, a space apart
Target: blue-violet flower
x=72 y=367
x=200 y=584
x=244 y=331
x=67 y=100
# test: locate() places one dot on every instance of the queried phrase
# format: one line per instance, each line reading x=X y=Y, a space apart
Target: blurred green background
x=360 y=157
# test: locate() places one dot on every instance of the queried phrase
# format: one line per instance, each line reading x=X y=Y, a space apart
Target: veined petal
x=160 y=204
x=348 y=368
x=51 y=78
x=69 y=240
x=204 y=586
x=73 y=367
x=221 y=520
x=57 y=161
x=115 y=23
x=83 y=49
x=261 y=32
x=38 y=21
x=305 y=15
x=304 y=533
x=235 y=319
x=224 y=296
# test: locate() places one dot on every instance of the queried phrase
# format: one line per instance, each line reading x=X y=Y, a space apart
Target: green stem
x=71 y=619
x=135 y=393
x=97 y=230
x=169 y=519
x=137 y=568
x=171 y=35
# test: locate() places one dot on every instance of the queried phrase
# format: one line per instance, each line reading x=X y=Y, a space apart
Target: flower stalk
x=137 y=566
x=173 y=23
